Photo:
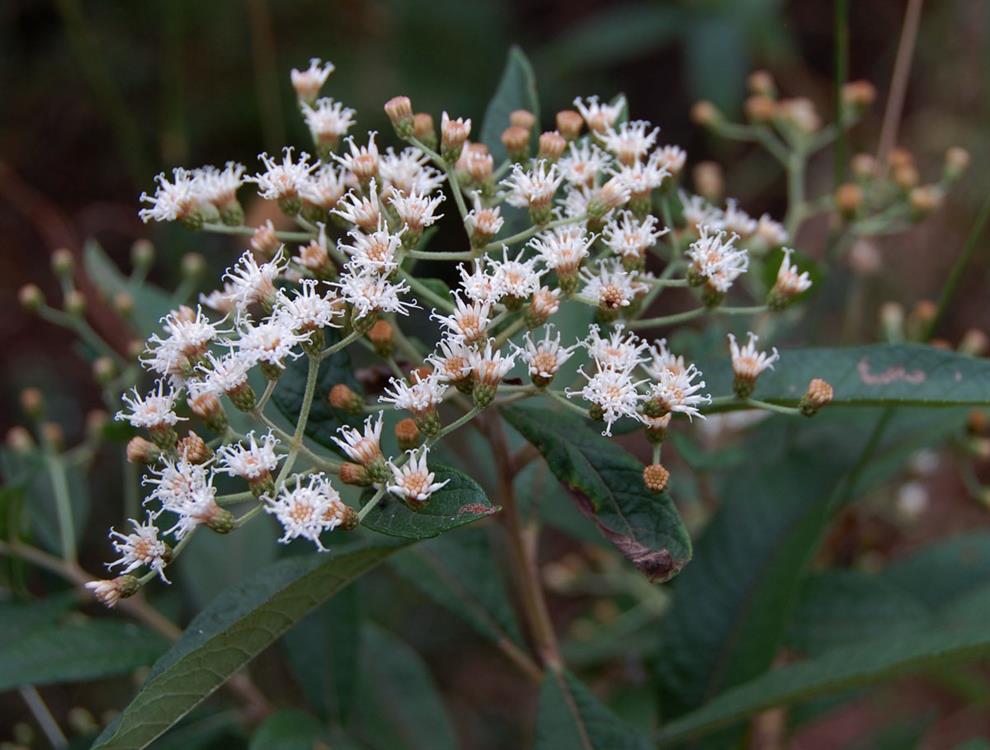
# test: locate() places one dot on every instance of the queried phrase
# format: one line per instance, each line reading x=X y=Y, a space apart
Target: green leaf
x=289 y=729
x=878 y=374
x=863 y=663
x=516 y=90
x=20 y=618
x=460 y=502
x=77 y=651
x=151 y=304
x=327 y=672
x=235 y=628
x=323 y=419
x=399 y=706
x=455 y=570
x=571 y=718
x=944 y=570
x=607 y=486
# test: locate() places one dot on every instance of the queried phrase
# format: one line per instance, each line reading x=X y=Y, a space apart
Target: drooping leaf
x=862 y=663
x=323 y=419
x=325 y=668
x=455 y=570
x=516 y=90
x=878 y=374
x=399 y=705
x=235 y=628
x=289 y=729
x=151 y=304
x=460 y=502
x=77 y=651
x=571 y=718
x=607 y=486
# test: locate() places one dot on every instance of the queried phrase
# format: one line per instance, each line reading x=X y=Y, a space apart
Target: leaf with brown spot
x=607 y=485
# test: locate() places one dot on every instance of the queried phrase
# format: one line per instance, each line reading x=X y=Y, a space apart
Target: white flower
x=611 y=286
x=663 y=359
x=453 y=132
x=153 y=411
x=220 y=187
x=770 y=232
x=178 y=199
x=185 y=489
x=582 y=164
x=362 y=447
x=563 y=248
x=747 y=362
x=227 y=373
x=671 y=158
x=544 y=357
x=452 y=359
x=735 y=220
x=375 y=252
x=544 y=303
x=222 y=300
x=478 y=284
x=368 y=292
x=625 y=235
x=308 y=309
x=408 y=172
x=533 y=189
x=620 y=351
x=639 y=178
x=362 y=211
x=631 y=141
x=270 y=341
x=599 y=117
x=308 y=83
x=325 y=188
x=254 y=460
x=307 y=510
x=414 y=481
x=328 y=121
x=419 y=397
x=489 y=366
x=715 y=258
x=253 y=282
x=417 y=210
x=469 y=321
x=285 y=179
x=516 y=278
x=141 y=547
x=361 y=161
x=108 y=593
x=475 y=162
x=483 y=221
x=613 y=392
x=698 y=212
x=675 y=390
x=789 y=281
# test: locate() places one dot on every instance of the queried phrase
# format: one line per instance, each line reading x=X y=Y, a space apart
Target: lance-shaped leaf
x=879 y=374
x=461 y=501
x=77 y=651
x=607 y=485
x=572 y=718
x=289 y=729
x=150 y=302
x=235 y=628
x=516 y=90
x=323 y=419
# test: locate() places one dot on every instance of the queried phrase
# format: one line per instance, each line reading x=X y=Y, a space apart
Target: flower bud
x=863 y=166
x=865 y=258
x=956 y=162
x=104 y=370
x=760 y=109
x=858 y=95
x=142 y=451
x=552 y=145
x=819 y=394
x=848 y=199
x=31 y=297
x=453 y=134
x=32 y=402
x=53 y=434
x=924 y=200
x=142 y=254
x=74 y=303
x=974 y=343
x=123 y=304
x=63 y=263
x=516 y=142
x=135 y=348
x=423 y=129
x=19 y=440
x=343 y=398
x=264 y=241
x=612 y=194
x=221 y=520
x=108 y=593
x=761 y=83
x=656 y=477
x=900 y=157
x=569 y=124
x=657 y=424
x=407 y=434
x=400 y=114
x=705 y=113
x=522 y=118
x=355 y=474
x=892 y=321
x=709 y=180
x=906 y=176
x=193 y=266
x=381 y=337
x=194 y=449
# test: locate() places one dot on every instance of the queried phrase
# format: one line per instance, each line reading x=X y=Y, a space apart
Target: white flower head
x=715 y=258
x=452 y=360
x=771 y=233
x=489 y=365
x=599 y=117
x=141 y=547
x=532 y=188
x=307 y=510
x=308 y=82
x=611 y=286
x=361 y=161
x=671 y=158
x=640 y=177
x=563 y=248
x=368 y=292
x=517 y=277
x=662 y=359
x=419 y=397
x=620 y=351
x=582 y=164
x=483 y=221
x=698 y=212
x=417 y=210
x=613 y=392
x=468 y=320
x=227 y=373
x=220 y=186
x=175 y=481
x=362 y=446
x=283 y=180
x=544 y=357
x=307 y=309
x=271 y=342
x=747 y=361
x=414 y=481
x=482 y=282
x=325 y=188
x=252 y=282
x=675 y=390
x=193 y=505
x=251 y=460
x=737 y=221
x=362 y=211
x=631 y=141
x=375 y=252
x=156 y=410
x=789 y=281
x=629 y=237
x=221 y=300
x=328 y=120
x=408 y=172
x=175 y=200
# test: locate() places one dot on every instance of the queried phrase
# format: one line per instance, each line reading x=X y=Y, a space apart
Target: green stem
x=509 y=332
x=63 y=505
x=348 y=339
x=666 y=320
x=367 y=507
x=82 y=329
x=776 y=408
x=245 y=231
x=795 y=192
x=424 y=291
